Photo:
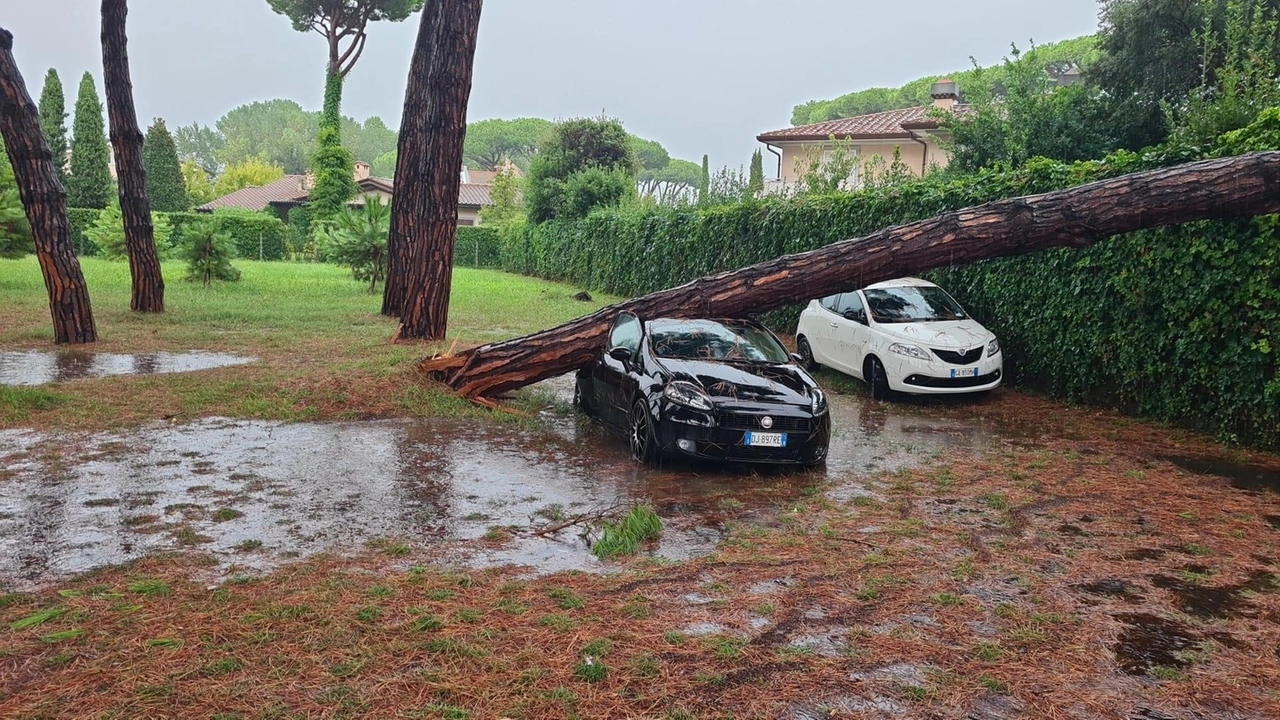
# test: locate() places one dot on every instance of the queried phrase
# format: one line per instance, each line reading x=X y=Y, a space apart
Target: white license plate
x=755 y=439
x=966 y=372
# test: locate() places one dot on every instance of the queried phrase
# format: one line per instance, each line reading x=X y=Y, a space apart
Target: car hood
x=786 y=384
x=949 y=335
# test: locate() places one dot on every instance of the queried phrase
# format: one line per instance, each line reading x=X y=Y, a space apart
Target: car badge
x=766 y=422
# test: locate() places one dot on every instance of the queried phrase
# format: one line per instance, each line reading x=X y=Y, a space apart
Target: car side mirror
x=620 y=354
x=854 y=315
x=797 y=359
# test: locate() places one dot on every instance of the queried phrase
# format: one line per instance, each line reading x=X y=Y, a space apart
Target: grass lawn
x=322 y=345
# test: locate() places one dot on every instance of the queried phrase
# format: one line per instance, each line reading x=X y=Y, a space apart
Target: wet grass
x=618 y=539
x=321 y=343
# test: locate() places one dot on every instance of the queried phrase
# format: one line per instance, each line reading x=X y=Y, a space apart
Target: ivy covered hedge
x=477 y=247
x=1178 y=324
x=256 y=235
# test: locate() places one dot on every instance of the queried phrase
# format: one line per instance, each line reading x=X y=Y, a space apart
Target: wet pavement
x=39 y=367
x=256 y=493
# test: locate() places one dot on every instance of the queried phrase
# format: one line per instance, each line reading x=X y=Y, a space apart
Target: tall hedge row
x=1179 y=324
x=256 y=236
x=477 y=247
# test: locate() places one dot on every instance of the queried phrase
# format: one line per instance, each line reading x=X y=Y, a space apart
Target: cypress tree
x=53 y=121
x=165 y=184
x=89 y=185
x=756 y=181
x=704 y=182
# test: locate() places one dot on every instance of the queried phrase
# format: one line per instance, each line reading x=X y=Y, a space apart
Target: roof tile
x=890 y=123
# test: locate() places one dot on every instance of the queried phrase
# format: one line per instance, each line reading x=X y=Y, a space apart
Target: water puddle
x=38 y=367
x=1112 y=588
x=1242 y=476
x=253 y=493
x=1149 y=641
x=1227 y=602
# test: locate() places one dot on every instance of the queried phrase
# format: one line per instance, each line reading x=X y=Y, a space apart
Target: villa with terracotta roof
x=915 y=132
x=293 y=191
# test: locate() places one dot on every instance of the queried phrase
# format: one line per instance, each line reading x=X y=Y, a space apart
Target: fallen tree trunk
x=1242 y=186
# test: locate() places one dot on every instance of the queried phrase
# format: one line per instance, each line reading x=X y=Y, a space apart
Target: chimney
x=466 y=175
x=362 y=171
x=946 y=93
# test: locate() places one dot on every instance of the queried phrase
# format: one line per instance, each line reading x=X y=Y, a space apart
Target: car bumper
x=721 y=436
x=934 y=378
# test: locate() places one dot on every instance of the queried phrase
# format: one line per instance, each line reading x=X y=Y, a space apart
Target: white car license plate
x=755 y=439
x=966 y=372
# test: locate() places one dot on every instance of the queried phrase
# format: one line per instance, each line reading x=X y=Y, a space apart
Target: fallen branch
x=1241 y=186
x=583 y=519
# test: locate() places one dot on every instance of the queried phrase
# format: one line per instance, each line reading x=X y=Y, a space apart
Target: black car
x=712 y=389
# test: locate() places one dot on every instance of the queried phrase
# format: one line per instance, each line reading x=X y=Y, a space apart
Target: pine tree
x=89 y=185
x=53 y=121
x=165 y=184
x=756 y=182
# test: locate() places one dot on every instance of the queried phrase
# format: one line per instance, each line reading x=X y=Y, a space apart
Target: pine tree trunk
x=45 y=201
x=431 y=158
x=126 y=140
x=1242 y=186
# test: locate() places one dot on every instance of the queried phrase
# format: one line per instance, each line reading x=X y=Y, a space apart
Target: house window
x=466 y=222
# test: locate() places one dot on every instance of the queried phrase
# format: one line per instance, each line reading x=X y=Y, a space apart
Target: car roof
x=667 y=322
x=900 y=282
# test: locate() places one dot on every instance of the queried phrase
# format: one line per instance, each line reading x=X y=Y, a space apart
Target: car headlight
x=819 y=405
x=993 y=348
x=687 y=394
x=914 y=351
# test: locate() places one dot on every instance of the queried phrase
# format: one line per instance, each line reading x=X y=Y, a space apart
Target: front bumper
x=720 y=436
x=920 y=377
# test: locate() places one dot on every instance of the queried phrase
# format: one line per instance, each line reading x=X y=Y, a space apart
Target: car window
x=711 y=340
x=625 y=333
x=907 y=304
x=830 y=302
x=849 y=302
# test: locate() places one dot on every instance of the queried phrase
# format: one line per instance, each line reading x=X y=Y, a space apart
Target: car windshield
x=913 y=303
x=711 y=340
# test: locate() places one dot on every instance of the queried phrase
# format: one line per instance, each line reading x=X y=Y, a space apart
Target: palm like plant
x=357 y=238
x=208 y=253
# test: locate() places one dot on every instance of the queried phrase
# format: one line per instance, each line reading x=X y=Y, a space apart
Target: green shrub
x=107 y=233
x=82 y=219
x=478 y=247
x=357 y=238
x=256 y=236
x=1177 y=324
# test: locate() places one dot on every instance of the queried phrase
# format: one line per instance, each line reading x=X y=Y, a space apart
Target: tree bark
x=432 y=158
x=1241 y=186
x=45 y=201
x=126 y=140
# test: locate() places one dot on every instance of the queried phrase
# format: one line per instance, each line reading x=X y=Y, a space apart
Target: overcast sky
x=700 y=76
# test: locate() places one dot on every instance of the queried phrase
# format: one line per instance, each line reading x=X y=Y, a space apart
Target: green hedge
x=1176 y=324
x=256 y=235
x=477 y=247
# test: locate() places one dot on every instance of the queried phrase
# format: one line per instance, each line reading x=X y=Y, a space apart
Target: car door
x=851 y=333
x=610 y=377
x=823 y=342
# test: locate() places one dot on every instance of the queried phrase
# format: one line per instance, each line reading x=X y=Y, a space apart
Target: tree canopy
x=341 y=21
x=490 y=142
x=250 y=173
x=166 y=186
x=582 y=164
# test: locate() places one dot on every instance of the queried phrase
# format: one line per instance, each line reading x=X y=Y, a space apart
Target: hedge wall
x=477 y=247
x=1179 y=324
x=256 y=235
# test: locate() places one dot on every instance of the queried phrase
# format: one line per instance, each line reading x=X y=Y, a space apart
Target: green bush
x=477 y=247
x=82 y=219
x=255 y=235
x=208 y=252
x=1175 y=323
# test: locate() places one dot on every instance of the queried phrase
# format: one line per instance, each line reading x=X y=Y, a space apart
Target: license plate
x=966 y=372
x=755 y=439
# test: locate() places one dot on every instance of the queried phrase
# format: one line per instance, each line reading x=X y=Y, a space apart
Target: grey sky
x=700 y=76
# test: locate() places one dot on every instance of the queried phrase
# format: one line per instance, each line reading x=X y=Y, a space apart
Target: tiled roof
x=887 y=124
x=287 y=188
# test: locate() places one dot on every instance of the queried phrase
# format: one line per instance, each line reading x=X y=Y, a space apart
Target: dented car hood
x=944 y=335
x=745 y=382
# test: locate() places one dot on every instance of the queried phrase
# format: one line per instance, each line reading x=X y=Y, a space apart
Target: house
x=292 y=191
x=915 y=133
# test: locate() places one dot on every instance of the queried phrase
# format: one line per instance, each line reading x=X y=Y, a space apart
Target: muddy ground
x=1004 y=557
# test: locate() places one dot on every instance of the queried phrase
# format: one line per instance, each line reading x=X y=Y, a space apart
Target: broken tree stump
x=1242 y=186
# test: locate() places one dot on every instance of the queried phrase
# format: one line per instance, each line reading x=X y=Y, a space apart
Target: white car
x=906 y=335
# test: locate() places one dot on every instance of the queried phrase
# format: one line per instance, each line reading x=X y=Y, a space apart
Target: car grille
x=751 y=421
x=753 y=454
x=937 y=382
x=959 y=358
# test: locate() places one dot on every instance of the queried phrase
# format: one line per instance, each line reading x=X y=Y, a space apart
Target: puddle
x=252 y=493
x=1242 y=476
x=1112 y=588
x=38 y=367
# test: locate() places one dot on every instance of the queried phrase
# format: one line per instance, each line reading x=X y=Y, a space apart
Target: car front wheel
x=643 y=445
x=877 y=380
x=806 y=354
